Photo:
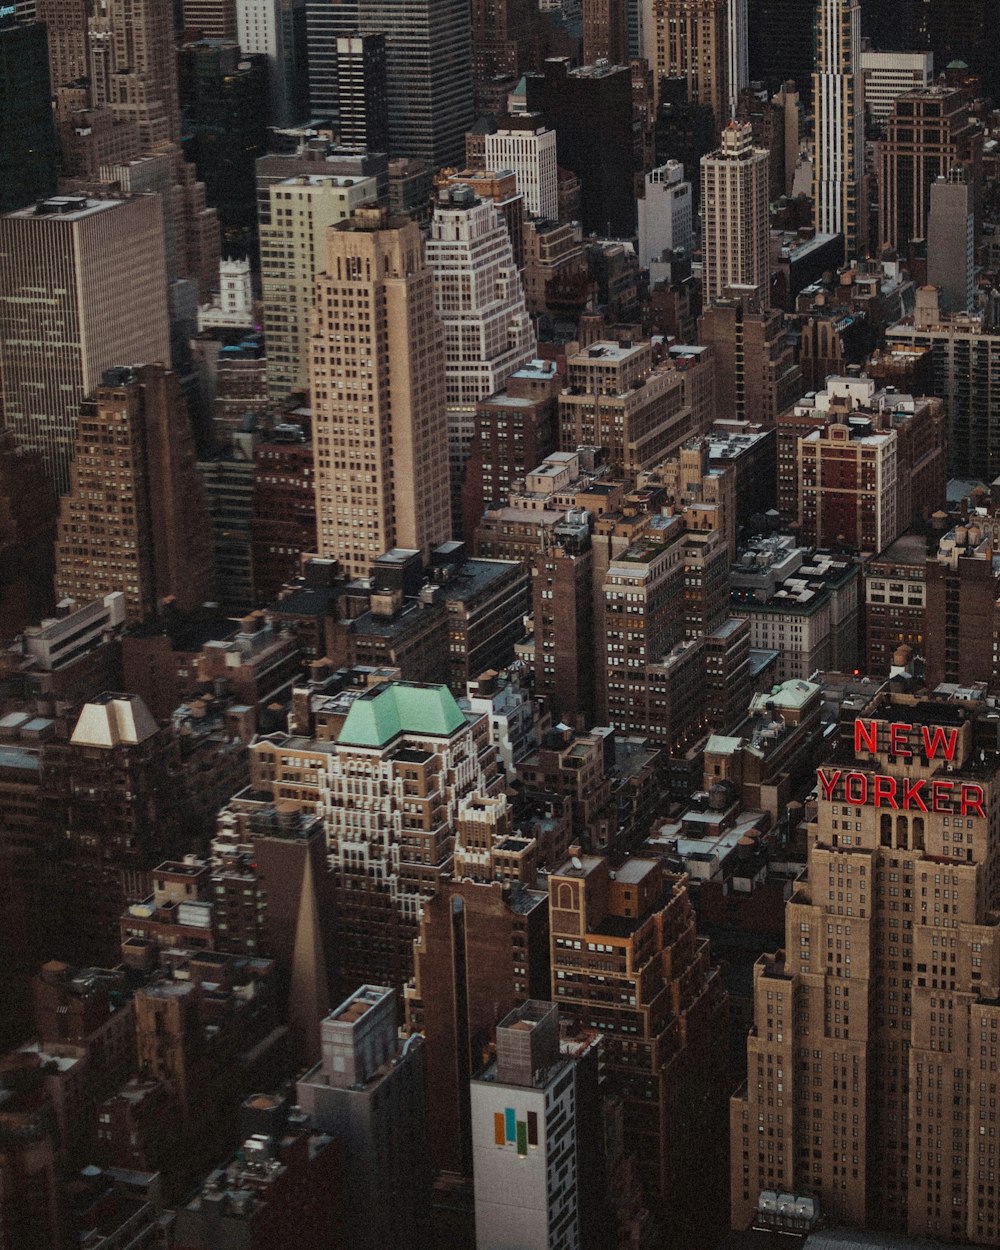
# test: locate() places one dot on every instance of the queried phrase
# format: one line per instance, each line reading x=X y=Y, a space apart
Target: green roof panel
x=392 y=708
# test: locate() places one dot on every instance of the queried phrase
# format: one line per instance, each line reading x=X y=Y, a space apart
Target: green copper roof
x=388 y=710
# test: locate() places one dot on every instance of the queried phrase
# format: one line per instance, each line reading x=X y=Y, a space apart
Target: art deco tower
x=838 y=163
x=377 y=377
x=734 y=209
x=872 y=1063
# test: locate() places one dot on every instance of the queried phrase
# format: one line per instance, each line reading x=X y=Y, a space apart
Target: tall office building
x=665 y=220
x=524 y=1135
x=591 y=110
x=527 y=146
x=368 y=1091
x=133 y=66
x=781 y=43
x=501 y=36
x=965 y=354
x=928 y=135
x=428 y=69
x=83 y=287
x=690 y=39
x=28 y=151
x=277 y=29
x=377 y=379
x=737 y=51
x=212 y=19
x=839 y=205
x=151 y=539
x=479 y=299
x=736 y=231
x=951 y=242
x=888 y=75
x=483 y=948
x=874 y=1049
x=292 y=253
x=326 y=21
x=605 y=31
x=362 y=92
x=663 y=1013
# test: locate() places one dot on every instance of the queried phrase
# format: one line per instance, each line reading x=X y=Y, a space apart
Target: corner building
x=872 y=1063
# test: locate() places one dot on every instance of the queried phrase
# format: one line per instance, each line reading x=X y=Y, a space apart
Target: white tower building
x=292 y=253
x=524 y=1138
x=479 y=298
x=530 y=151
x=734 y=215
x=838 y=93
x=665 y=218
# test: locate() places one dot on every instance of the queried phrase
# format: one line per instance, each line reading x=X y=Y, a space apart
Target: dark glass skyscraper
x=428 y=46
x=28 y=149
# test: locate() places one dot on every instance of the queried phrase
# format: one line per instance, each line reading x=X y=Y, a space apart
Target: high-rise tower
x=83 y=287
x=838 y=164
x=377 y=377
x=690 y=39
x=734 y=210
x=479 y=298
x=151 y=538
x=872 y=1064
x=293 y=252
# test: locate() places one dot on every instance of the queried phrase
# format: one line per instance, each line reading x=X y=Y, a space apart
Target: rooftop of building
x=359 y=1004
x=390 y=709
x=66 y=208
x=907 y=549
x=113 y=720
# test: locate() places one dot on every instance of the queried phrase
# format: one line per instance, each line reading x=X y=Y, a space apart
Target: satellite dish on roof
x=577 y=862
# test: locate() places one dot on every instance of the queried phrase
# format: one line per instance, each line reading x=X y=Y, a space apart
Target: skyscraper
x=151 y=539
x=735 y=222
x=737 y=53
x=277 y=29
x=690 y=39
x=524 y=1135
x=874 y=1042
x=28 y=150
x=428 y=69
x=839 y=205
x=928 y=135
x=483 y=948
x=377 y=378
x=362 y=92
x=526 y=145
x=661 y=1008
x=480 y=301
x=368 y=1091
x=951 y=242
x=293 y=252
x=83 y=287
x=605 y=31
x=326 y=20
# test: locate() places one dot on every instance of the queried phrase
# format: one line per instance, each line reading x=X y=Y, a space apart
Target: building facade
x=377 y=379
x=83 y=286
x=736 y=236
x=881 y=992
x=839 y=205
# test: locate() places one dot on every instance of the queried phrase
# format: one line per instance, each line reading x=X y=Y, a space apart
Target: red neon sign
x=904 y=794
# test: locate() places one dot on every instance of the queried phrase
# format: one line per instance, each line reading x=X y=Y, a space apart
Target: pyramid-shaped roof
x=393 y=708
